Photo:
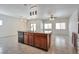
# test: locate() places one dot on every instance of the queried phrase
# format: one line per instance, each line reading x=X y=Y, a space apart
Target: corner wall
x=73 y=24
x=9 y=26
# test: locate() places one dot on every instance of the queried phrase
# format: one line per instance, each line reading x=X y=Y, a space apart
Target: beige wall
x=21 y=25
x=73 y=24
x=9 y=26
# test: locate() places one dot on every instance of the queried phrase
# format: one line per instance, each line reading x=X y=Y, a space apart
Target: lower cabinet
x=26 y=41
x=39 y=40
x=74 y=41
x=30 y=39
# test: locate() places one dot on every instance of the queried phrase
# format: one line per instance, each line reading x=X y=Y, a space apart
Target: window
x=57 y=25
x=63 y=26
x=60 y=26
x=48 y=26
x=1 y=23
x=30 y=13
x=33 y=27
x=35 y=12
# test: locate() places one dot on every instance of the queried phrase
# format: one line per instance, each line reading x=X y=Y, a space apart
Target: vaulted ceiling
x=18 y=10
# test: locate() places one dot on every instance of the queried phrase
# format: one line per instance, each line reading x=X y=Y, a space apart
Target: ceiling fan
x=52 y=17
x=51 y=14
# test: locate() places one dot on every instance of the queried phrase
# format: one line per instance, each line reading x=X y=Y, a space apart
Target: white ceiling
x=18 y=10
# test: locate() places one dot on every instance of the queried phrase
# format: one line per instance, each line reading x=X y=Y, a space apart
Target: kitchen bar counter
x=35 y=39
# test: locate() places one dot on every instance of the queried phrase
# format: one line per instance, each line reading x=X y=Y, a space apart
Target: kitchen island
x=35 y=39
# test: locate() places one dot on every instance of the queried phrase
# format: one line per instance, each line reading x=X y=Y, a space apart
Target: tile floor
x=10 y=45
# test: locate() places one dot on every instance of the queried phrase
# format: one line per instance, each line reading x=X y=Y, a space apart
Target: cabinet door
x=31 y=40
x=37 y=41
x=43 y=42
x=26 y=38
x=40 y=41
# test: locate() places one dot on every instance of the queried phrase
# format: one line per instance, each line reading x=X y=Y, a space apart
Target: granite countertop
x=34 y=32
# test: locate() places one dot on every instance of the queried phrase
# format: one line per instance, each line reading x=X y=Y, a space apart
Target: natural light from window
x=60 y=25
x=33 y=27
x=48 y=26
x=1 y=23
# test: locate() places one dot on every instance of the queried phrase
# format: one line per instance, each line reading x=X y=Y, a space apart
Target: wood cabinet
x=26 y=41
x=74 y=42
x=30 y=39
x=39 y=40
